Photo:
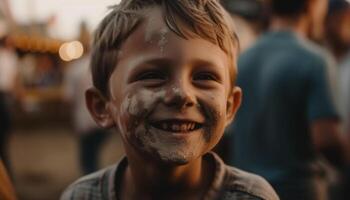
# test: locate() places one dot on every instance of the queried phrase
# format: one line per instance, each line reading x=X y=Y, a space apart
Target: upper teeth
x=178 y=127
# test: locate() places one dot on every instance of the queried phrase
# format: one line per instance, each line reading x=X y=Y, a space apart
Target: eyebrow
x=158 y=61
x=203 y=62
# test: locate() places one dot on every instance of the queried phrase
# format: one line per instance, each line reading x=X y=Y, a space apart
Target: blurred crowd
x=293 y=125
x=301 y=139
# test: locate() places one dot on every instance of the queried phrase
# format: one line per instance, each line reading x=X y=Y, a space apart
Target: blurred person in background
x=338 y=28
x=345 y=97
x=288 y=119
x=77 y=80
x=8 y=91
x=338 y=41
x=250 y=18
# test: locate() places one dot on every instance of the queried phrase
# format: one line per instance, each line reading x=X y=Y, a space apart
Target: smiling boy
x=163 y=74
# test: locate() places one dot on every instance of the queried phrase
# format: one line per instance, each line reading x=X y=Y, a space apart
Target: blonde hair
x=205 y=19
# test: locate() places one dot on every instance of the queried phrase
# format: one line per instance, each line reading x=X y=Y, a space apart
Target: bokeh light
x=71 y=50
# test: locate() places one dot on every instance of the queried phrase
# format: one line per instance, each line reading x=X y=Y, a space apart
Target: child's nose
x=179 y=95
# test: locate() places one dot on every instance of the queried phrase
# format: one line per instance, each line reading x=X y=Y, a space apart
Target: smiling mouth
x=177 y=126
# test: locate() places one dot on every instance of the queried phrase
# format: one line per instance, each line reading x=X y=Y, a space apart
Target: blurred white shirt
x=8 y=70
x=344 y=83
x=77 y=80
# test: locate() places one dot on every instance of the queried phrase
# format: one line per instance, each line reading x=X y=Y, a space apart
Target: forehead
x=153 y=39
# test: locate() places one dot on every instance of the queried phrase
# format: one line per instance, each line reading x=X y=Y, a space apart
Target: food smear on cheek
x=133 y=123
x=220 y=107
x=134 y=111
x=213 y=112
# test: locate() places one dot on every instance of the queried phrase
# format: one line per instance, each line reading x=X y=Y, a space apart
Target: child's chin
x=172 y=158
x=175 y=161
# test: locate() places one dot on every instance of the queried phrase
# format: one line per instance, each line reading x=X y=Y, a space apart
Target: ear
x=233 y=103
x=97 y=104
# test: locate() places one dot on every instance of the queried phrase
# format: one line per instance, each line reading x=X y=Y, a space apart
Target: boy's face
x=171 y=98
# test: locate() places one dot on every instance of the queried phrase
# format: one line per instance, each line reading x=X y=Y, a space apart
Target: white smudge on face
x=144 y=101
x=134 y=124
x=163 y=38
x=136 y=106
x=176 y=90
x=164 y=147
x=149 y=31
x=156 y=34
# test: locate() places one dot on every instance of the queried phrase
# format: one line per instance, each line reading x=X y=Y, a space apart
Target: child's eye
x=207 y=76
x=152 y=75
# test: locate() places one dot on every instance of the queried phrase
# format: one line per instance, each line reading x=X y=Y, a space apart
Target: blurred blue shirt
x=286 y=86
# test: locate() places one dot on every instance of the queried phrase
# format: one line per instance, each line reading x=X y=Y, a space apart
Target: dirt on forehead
x=156 y=30
x=154 y=21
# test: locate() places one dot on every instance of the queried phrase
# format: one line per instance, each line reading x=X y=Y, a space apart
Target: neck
x=296 y=25
x=145 y=180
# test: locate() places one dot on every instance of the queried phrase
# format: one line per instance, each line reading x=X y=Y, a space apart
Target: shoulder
x=287 y=47
x=311 y=54
x=94 y=186
x=243 y=185
x=238 y=184
x=315 y=48
x=319 y=53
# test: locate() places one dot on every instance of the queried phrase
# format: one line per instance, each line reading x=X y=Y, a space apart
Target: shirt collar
x=114 y=179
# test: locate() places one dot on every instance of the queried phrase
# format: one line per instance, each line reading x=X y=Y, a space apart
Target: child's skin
x=171 y=99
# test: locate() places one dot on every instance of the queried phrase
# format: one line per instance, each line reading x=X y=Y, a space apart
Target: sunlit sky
x=69 y=13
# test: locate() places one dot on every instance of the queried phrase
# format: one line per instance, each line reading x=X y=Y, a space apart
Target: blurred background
x=47 y=136
x=42 y=45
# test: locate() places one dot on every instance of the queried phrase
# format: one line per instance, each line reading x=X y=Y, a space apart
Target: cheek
x=216 y=103
x=213 y=105
x=135 y=108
